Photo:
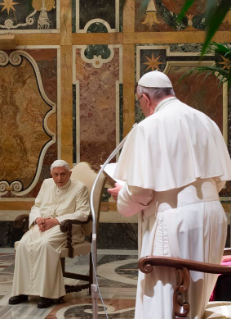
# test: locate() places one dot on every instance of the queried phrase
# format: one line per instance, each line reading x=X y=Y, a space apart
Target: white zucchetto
x=60 y=163
x=155 y=79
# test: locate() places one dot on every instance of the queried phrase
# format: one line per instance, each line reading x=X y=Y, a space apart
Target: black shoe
x=17 y=299
x=45 y=302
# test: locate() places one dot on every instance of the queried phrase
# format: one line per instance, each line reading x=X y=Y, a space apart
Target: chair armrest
x=146 y=264
x=67 y=224
x=182 y=266
x=22 y=221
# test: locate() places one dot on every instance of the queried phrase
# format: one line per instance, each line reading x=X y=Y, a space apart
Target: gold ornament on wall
x=49 y=4
x=151 y=14
x=8 y=5
x=190 y=22
x=153 y=62
x=226 y=63
x=43 y=6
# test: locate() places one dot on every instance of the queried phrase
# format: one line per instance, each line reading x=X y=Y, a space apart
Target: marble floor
x=117 y=277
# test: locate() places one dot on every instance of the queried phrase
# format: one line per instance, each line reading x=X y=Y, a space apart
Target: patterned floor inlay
x=23 y=311
x=117 y=277
x=84 y=311
x=6 y=260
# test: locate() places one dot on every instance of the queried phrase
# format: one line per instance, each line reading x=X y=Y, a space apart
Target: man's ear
x=150 y=106
x=70 y=172
x=146 y=97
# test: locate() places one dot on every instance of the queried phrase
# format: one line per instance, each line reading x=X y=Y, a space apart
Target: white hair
x=60 y=163
x=156 y=94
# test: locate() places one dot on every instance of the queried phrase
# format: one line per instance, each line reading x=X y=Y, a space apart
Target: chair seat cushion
x=83 y=248
x=218 y=310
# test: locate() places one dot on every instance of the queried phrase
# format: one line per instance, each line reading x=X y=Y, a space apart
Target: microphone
x=93 y=247
x=117 y=149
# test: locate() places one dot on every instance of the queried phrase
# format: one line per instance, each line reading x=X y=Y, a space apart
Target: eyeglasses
x=138 y=101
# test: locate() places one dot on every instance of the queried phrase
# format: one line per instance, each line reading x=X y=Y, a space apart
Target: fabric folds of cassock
x=174 y=163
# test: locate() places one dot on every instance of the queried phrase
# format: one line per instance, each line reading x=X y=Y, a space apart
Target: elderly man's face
x=60 y=176
x=142 y=101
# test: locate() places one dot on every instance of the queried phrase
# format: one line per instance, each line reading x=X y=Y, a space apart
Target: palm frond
x=187 y=5
x=220 y=48
x=222 y=51
x=208 y=70
x=215 y=12
x=215 y=16
x=210 y=9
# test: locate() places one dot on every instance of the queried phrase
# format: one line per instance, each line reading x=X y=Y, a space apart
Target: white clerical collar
x=65 y=186
x=164 y=103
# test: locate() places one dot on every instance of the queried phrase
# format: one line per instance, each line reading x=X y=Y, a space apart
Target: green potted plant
x=222 y=67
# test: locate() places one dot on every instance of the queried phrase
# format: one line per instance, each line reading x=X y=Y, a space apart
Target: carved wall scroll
x=24 y=133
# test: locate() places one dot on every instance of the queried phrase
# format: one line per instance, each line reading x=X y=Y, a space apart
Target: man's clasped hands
x=46 y=223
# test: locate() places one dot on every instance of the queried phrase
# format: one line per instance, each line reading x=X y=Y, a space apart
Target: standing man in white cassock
x=175 y=162
x=37 y=264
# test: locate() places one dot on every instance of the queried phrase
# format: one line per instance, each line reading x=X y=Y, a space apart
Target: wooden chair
x=82 y=172
x=218 y=310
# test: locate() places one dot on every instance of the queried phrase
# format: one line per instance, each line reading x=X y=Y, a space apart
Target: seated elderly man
x=37 y=264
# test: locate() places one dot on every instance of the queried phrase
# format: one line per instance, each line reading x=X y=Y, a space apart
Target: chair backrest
x=84 y=173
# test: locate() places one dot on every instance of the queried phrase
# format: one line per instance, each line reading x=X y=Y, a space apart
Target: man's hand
x=41 y=223
x=50 y=222
x=114 y=191
x=46 y=223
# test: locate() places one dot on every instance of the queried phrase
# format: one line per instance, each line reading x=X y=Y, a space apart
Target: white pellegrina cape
x=164 y=151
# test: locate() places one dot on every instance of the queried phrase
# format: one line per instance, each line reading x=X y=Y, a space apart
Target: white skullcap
x=155 y=79
x=60 y=163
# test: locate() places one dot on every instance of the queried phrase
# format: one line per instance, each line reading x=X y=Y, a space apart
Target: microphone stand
x=94 y=287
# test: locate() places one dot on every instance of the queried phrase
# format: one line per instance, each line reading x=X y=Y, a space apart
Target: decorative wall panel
x=27 y=127
x=161 y=16
x=97 y=102
x=29 y=15
x=96 y=16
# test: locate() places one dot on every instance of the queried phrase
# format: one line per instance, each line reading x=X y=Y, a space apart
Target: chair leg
x=90 y=273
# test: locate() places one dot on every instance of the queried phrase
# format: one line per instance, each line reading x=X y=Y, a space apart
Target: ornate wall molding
x=48 y=137
x=94 y=76
x=97 y=60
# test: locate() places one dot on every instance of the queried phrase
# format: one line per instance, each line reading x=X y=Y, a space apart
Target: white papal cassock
x=37 y=263
x=174 y=163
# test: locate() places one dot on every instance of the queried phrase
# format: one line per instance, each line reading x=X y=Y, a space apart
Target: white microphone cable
x=95 y=285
